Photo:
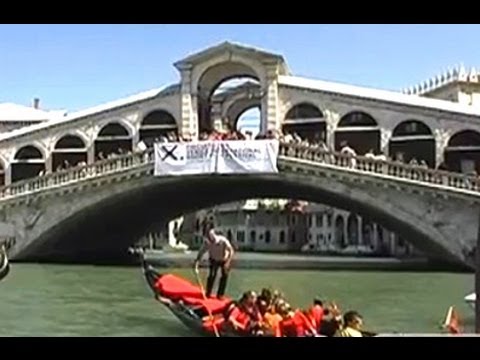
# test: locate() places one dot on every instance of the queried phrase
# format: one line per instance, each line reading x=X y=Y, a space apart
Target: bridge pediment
x=229 y=49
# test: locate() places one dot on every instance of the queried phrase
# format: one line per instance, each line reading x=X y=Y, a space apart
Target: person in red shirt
x=296 y=323
x=315 y=313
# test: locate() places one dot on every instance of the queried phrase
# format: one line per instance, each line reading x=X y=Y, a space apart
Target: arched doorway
x=352 y=230
x=156 y=125
x=412 y=139
x=367 y=232
x=340 y=240
x=28 y=162
x=215 y=81
x=307 y=121
x=70 y=150
x=360 y=131
x=113 y=138
x=462 y=153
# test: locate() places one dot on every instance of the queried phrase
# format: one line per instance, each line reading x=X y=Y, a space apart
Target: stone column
x=345 y=229
x=332 y=119
x=360 y=230
x=374 y=236
x=441 y=141
x=385 y=136
x=8 y=174
x=270 y=105
x=91 y=154
x=189 y=112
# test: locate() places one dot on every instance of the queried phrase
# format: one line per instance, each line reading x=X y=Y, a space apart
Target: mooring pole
x=477 y=280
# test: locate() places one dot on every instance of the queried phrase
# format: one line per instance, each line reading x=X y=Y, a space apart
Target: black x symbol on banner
x=169 y=153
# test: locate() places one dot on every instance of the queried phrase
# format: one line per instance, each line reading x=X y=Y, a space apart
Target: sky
x=73 y=67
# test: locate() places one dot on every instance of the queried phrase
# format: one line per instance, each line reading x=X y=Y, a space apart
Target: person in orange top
x=271 y=319
x=245 y=317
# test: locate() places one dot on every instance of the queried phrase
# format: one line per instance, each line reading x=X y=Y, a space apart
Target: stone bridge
x=96 y=211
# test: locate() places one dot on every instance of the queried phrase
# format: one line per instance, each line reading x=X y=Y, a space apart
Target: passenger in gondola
x=315 y=313
x=220 y=252
x=245 y=317
x=296 y=323
x=352 y=325
x=331 y=321
x=272 y=320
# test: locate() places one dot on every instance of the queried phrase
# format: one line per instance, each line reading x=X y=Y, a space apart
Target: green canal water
x=49 y=300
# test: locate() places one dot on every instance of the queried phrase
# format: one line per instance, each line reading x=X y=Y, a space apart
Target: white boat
x=470 y=299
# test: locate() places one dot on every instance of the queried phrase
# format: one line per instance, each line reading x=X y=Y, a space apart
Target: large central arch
x=115 y=215
x=210 y=80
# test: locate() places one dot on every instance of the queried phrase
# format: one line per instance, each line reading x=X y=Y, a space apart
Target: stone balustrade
x=310 y=153
x=385 y=168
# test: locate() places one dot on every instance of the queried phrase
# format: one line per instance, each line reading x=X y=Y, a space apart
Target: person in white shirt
x=220 y=252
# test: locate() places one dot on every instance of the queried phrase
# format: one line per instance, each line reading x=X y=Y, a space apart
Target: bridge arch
x=244 y=97
x=211 y=79
x=360 y=131
x=156 y=124
x=28 y=162
x=462 y=153
x=114 y=137
x=249 y=120
x=413 y=139
x=306 y=120
x=69 y=150
x=116 y=213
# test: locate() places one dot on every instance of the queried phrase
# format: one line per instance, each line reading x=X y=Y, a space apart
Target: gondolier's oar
x=199 y=281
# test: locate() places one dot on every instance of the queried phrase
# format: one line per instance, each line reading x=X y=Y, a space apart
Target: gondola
x=187 y=302
x=4 y=263
x=191 y=308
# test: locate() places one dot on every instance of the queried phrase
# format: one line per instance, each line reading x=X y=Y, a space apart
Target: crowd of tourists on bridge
x=285 y=137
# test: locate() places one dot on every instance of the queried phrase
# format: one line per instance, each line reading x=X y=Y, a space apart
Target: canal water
x=51 y=300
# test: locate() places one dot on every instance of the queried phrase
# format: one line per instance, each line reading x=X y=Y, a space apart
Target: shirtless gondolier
x=220 y=253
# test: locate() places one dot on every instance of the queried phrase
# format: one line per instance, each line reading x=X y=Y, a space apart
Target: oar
x=199 y=281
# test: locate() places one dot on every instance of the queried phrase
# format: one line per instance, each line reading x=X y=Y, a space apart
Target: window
x=319 y=220
x=329 y=220
x=267 y=237
x=253 y=236
x=282 y=237
x=241 y=236
x=292 y=237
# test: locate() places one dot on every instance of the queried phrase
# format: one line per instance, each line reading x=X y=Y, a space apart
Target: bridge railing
x=72 y=175
x=302 y=152
x=381 y=167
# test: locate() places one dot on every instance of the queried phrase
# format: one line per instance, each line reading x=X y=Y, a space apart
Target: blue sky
x=76 y=66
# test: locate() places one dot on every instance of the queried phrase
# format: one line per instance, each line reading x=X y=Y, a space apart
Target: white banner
x=223 y=157
x=254 y=156
x=184 y=158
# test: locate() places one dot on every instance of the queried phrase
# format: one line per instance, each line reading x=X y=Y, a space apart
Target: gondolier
x=220 y=253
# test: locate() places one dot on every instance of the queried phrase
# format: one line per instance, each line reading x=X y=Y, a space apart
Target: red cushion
x=176 y=288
